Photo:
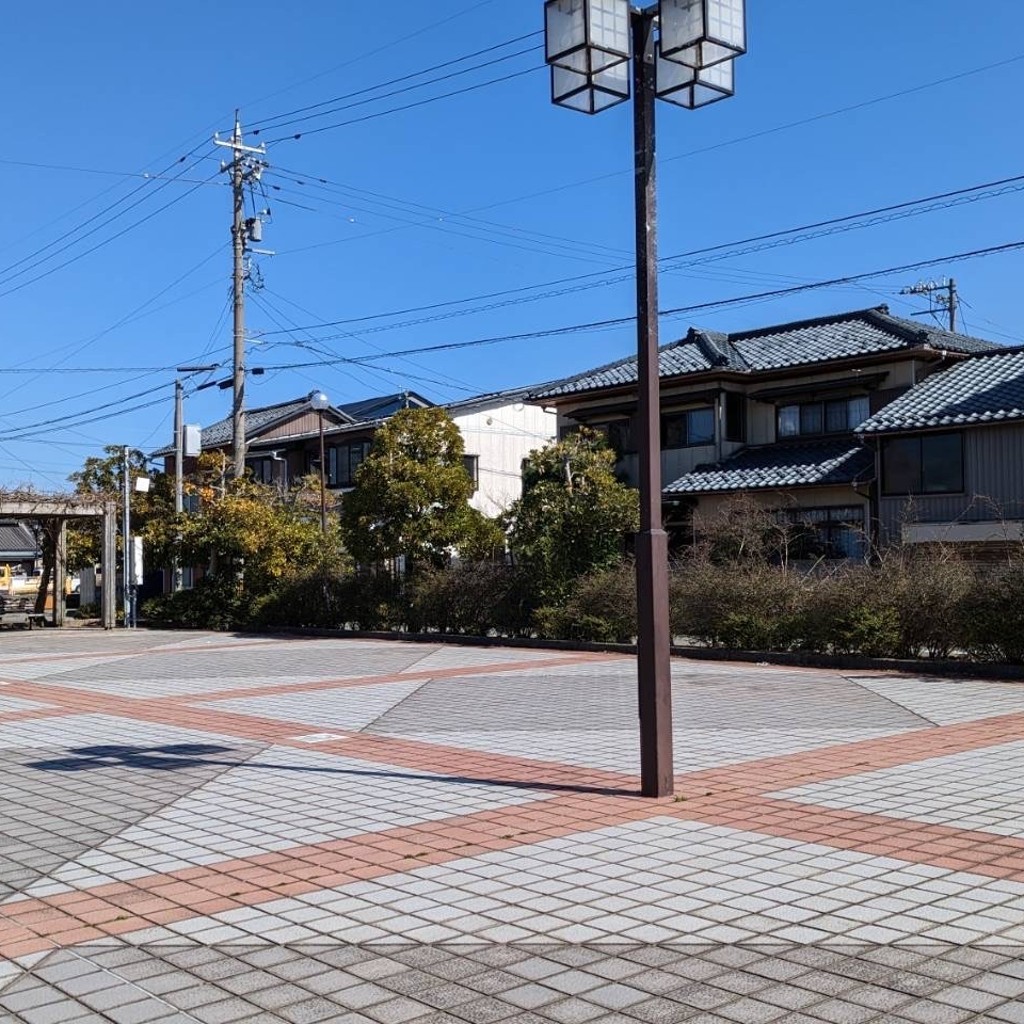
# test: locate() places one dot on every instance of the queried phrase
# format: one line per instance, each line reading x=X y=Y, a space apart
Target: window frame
x=802 y=410
x=471 y=464
x=335 y=460
x=684 y=415
x=922 y=489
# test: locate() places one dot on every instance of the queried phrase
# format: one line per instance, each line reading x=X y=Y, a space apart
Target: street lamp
x=682 y=51
x=319 y=401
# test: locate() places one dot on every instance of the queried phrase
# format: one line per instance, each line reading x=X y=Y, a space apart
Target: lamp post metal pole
x=654 y=669
x=126 y=544
x=323 y=469
x=179 y=485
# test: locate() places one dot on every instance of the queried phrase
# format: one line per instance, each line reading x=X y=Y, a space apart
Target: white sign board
x=192 y=440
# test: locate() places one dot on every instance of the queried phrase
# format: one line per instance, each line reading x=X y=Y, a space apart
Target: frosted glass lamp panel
x=586 y=35
x=609 y=33
x=702 y=33
x=590 y=94
x=691 y=89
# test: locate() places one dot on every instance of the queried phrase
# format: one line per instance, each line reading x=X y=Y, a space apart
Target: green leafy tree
x=412 y=494
x=574 y=515
x=101 y=477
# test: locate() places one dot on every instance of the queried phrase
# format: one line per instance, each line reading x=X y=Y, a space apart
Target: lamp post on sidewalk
x=682 y=52
x=319 y=401
x=179 y=454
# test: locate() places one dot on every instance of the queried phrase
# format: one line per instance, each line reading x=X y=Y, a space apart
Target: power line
x=77 y=230
x=678 y=310
x=409 y=106
x=281 y=121
x=98 y=245
x=739 y=140
x=723 y=250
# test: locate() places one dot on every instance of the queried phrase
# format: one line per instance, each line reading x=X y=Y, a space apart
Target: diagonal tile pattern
x=201 y=827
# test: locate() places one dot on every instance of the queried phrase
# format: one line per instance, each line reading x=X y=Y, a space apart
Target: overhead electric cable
x=281 y=120
x=678 y=310
x=597 y=279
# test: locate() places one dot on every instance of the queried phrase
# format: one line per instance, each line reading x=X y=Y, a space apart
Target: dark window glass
x=262 y=470
x=686 y=429
x=673 y=431
x=789 y=421
x=811 y=419
x=859 y=411
x=930 y=464
x=837 y=416
x=700 y=426
x=901 y=466
x=472 y=464
x=833 y=533
x=620 y=437
x=735 y=417
x=942 y=463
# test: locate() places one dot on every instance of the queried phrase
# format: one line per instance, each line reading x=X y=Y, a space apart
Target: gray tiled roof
x=989 y=389
x=802 y=343
x=790 y=464
x=16 y=540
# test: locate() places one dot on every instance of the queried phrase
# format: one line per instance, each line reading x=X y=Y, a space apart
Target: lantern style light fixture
x=587 y=35
x=691 y=88
x=702 y=33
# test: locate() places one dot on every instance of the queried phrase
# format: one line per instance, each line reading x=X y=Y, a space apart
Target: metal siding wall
x=993 y=470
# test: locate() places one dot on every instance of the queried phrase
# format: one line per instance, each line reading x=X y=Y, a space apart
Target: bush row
x=905 y=606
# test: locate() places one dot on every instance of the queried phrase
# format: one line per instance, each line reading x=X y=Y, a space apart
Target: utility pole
x=245 y=167
x=942 y=297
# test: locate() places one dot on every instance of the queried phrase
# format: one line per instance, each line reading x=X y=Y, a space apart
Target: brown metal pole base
x=654 y=667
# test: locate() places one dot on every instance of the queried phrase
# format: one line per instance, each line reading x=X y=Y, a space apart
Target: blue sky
x=479 y=193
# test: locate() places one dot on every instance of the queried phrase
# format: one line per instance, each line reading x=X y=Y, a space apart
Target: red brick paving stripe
x=116 y=908
x=835 y=762
x=877 y=835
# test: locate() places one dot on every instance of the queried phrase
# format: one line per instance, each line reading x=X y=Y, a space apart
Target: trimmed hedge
x=908 y=605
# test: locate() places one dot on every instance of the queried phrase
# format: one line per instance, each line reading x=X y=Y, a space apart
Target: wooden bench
x=20 y=612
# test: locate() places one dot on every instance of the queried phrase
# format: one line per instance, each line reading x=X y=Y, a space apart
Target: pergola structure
x=59 y=510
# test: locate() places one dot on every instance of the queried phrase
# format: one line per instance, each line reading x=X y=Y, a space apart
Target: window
x=472 y=464
x=833 y=417
x=832 y=533
x=928 y=464
x=262 y=470
x=735 y=417
x=620 y=437
x=342 y=462
x=688 y=429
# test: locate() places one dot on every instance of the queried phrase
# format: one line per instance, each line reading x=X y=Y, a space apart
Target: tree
x=101 y=477
x=574 y=515
x=412 y=493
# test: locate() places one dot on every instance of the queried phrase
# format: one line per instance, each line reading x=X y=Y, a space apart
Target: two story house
x=283 y=441
x=950 y=456
x=771 y=412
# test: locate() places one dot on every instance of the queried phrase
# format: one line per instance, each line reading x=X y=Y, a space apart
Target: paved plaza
x=200 y=827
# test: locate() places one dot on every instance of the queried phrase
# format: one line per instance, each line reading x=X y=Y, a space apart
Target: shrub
x=601 y=608
x=478 y=598
x=215 y=602
x=745 y=606
x=994 y=614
